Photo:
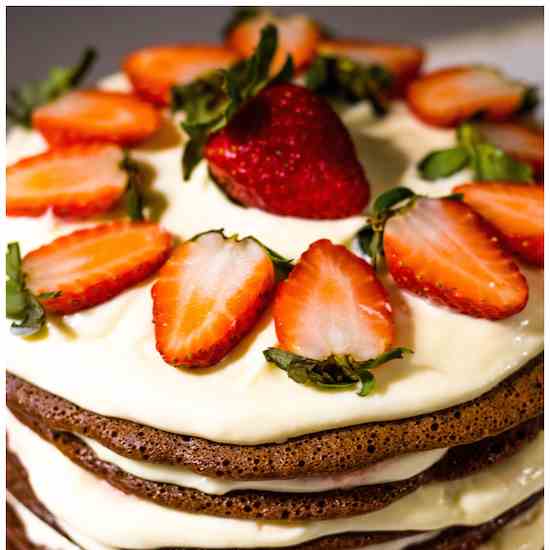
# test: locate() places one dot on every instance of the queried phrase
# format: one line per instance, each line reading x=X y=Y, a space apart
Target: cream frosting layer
x=394 y=469
x=97 y=510
x=524 y=533
x=104 y=359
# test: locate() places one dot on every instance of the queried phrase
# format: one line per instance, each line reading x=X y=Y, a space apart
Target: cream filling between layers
x=104 y=359
x=90 y=505
x=394 y=469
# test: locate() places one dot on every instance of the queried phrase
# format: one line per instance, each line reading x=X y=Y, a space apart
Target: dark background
x=39 y=37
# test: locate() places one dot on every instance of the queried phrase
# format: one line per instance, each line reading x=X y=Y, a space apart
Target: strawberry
x=73 y=181
x=447 y=97
x=516 y=211
x=154 y=70
x=208 y=295
x=96 y=115
x=402 y=61
x=298 y=34
x=90 y=266
x=517 y=140
x=442 y=250
x=286 y=151
x=333 y=320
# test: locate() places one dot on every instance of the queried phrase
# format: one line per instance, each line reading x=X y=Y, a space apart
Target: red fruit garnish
x=516 y=211
x=332 y=304
x=154 y=70
x=449 y=96
x=90 y=266
x=298 y=37
x=442 y=250
x=403 y=61
x=208 y=295
x=287 y=152
x=96 y=115
x=73 y=181
x=521 y=142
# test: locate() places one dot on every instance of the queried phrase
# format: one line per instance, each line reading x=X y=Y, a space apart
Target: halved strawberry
x=96 y=115
x=208 y=296
x=298 y=36
x=332 y=304
x=154 y=70
x=403 y=61
x=516 y=211
x=90 y=266
x=519 y=141
x=449 y=96
x=442 y=250
x=73 y=181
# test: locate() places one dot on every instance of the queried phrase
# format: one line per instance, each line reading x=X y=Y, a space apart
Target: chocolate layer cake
x=424 y=433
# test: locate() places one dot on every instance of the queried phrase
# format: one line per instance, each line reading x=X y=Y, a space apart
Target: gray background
x=39 y=37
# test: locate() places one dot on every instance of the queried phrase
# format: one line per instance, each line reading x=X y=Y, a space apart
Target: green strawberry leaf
x=133 y=197
x=21 y=305
x=213 y=99
x=484 y=159
x=491 y=163
x=444 y=163
x=240 y=15
x=335 y=372
x=344 y=78
x=34 y=94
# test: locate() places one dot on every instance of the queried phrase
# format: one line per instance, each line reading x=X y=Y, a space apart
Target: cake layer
x=459 y=462
x=516 y=400
x=116 y=519
x=105 y=357
x=520 y=527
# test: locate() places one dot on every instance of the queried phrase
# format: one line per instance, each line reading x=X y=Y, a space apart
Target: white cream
x=393 y=469
x=104 y=359
x=90 y=505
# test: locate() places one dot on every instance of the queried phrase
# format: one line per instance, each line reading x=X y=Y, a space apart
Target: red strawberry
x=440 y=249
x=96 y=115
x=519 y=141
x=298 y=36
x=332 y=304
x=154 y=70
x=515 y=211
x=208 y=296
x=447 y=97
x=90 y=266
x=74 y=181
x=403 y=61
x=286 y=151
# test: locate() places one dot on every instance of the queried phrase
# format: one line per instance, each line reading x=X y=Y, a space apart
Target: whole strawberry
x=270 y=144
x=286 y=151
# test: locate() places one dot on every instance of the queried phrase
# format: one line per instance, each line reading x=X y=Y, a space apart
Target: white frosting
x=104 y=359
x=393 y=469
x=89 y=504
x=524 y=533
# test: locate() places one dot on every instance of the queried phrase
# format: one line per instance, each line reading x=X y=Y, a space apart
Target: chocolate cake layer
x=455 y=538
x=515 y=400
x=459 y=462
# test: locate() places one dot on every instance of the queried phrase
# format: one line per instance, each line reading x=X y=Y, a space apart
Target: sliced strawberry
x=519 y=141
x=298 y=36
x=447 y=97
x=516 y=211
x=442 y=250
x=96 y=115
x=90 y=266
x=154 y=70
x=208 y=296
x=332 y=304
x=403 y=61
x=73 y=181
